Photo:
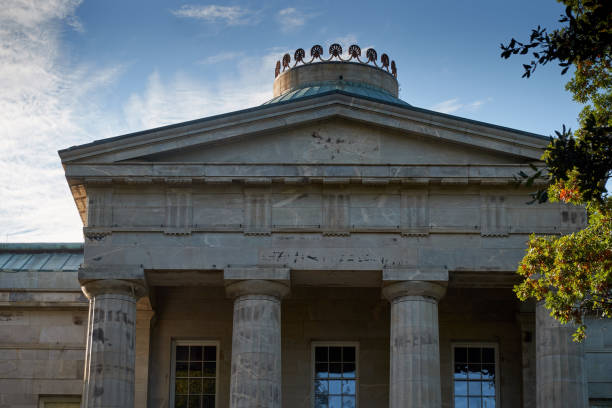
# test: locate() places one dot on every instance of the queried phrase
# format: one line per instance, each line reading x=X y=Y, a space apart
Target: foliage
x=573 y=273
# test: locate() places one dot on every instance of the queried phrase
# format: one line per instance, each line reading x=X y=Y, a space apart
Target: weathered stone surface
x=560 y=364
x=415 y=351
x=256 y=344
x=111 y=337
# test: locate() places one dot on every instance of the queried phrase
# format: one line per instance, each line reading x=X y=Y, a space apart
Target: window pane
x=460 y=355
x=488 y=402
x=195 y=401
x=181 y=386
x=460 y=387
x=335 y=387
x=195 y=369
x=348 y=402
x=321 y=401
x=474 y=355
x=335 y=402
x=335 y=354
x=195 y=353
x=488 y=388
x=460 y=371
x=182 y=353
x=335 y=370
x=474 y=388
x=180 y=401
x=208 y=401
x=321 y=370
x=182 y=370
x=474 y=371
x=210 y=369
x=348 y=354
x=210 y=353
x=321 y=354
x=474 y=402
x=321 y=387
x=208 y=386
x=461 y=402
x=348 y=370
x=488 y=371
x=348 y=387
x=488 y=355
x=195 y=386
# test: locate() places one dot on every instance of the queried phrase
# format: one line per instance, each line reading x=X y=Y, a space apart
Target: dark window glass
x=195 y=373
x=474 y=355
x=488 y=355
x=335 y=377
x=182 y=353
x=335 y=354
x=195 y=401
x=195 y=369
x=210 y=353
x=321 y=354
x=474 y=377
x=208 y=401
x=195 y=353
x=461 y=354
x=180 y=401
x=210 y=368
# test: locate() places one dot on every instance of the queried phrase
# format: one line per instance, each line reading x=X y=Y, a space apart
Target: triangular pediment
x=330 y=129
x=335 y=141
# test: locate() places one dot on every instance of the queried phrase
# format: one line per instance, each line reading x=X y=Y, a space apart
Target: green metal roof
x=41 y=257
x=345 y=87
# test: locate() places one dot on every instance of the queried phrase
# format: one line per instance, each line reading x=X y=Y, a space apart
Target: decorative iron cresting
x=335 y=53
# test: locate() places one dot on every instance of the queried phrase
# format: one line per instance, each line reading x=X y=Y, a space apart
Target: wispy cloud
x=455 y=105
x=44 y=106
x=291 y=19
x=184 y=97
x=222 y=57
x=230 y=15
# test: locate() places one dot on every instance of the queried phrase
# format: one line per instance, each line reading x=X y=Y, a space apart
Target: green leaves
x=571 y=273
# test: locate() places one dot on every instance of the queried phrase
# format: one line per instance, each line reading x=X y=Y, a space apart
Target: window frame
x=182 y=342
x=315 y=344
x=475 y=344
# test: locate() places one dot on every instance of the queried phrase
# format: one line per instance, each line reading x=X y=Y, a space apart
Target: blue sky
x=74 y=71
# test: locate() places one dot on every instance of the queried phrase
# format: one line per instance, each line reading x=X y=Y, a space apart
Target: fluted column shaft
x=256 y=344
x=415 y=352
x=560 y=366
x=110 y=354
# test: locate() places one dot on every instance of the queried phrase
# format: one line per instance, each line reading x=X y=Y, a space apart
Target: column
x=141 y=370
x=256 y=343
x=110 y=354
x=415 y=352
x=528 y=357
x=560 y=366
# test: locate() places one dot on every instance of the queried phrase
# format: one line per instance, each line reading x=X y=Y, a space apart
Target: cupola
x=361 y=75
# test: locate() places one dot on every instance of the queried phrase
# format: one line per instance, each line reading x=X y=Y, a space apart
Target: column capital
x=257 y=287
x=98 y=287
x=435 y=290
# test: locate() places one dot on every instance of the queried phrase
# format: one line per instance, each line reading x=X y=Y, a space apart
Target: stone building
x=334 y=247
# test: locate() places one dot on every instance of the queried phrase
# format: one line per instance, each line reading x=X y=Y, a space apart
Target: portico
x=335 y=244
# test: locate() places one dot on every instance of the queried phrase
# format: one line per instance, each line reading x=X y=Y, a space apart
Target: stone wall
x=41 y=354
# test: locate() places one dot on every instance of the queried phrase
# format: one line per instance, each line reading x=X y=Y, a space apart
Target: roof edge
x=33 y=247
x=404 y=105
